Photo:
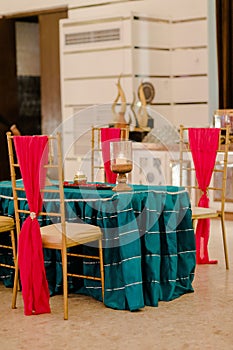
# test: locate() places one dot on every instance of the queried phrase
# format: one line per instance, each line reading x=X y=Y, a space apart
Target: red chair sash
x=203 y=145
x=108 y=135
x=32 y=154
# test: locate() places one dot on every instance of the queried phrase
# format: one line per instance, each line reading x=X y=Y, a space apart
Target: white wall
x=175 y=9
x=16 y=6
x=212 y=59
x=171 y=54
x=172 y=8
x=189 y=48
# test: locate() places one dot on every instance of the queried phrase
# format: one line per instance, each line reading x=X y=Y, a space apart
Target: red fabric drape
x=32 y=154
x=107 y=135
x=203 y=145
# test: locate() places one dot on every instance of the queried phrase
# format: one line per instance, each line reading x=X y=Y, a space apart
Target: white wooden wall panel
x=91 y=91
x=162 y=88
x=152 y=62
x=189 y=61
x=77 y=136
x=78 y=122
x=192 y=89
x=172 y=55
x=152 y=34
x=74 y=27
x=165 y=111
x=68 y=137
x=67 y=113
x=123 y=9
x=97 y=63
x=183 y=9
x=168 y=8
x=176 y=9
x=190 y=34
x=97 y=2
x=71 y=112
x=191 y=115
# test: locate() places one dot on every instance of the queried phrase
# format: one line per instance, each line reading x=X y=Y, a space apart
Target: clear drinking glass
x=121 y=163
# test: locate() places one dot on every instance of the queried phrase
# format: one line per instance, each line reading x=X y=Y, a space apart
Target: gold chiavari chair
x=60 y=235
x=216 y=190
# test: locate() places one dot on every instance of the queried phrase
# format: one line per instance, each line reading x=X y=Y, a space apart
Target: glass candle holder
x=121 y=163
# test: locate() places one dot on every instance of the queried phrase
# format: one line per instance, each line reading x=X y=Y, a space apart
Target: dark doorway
x=28 y=74
x=30 y=100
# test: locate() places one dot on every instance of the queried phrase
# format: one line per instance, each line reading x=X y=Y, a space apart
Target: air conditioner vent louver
x=92 y=36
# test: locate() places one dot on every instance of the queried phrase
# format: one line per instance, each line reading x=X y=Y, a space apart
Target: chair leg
x=101 y=267
x=16 y=284
x=224 y=242
x=194 y=223
x=65 y=283
x=16 y=276
x=12 y=233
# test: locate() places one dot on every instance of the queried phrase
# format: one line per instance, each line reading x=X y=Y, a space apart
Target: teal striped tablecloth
x=149 y=243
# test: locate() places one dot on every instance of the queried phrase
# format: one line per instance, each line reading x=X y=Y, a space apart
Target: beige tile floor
x=200 y=320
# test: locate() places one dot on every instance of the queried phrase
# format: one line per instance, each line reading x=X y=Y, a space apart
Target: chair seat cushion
x=76 y=233
x=6 y=223
x=199 y=212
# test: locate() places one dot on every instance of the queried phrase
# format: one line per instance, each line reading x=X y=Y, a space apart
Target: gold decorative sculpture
x=132 y=107
x=119 y=118
x=142 y=112
x=143 y=122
